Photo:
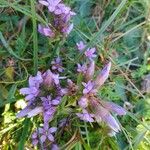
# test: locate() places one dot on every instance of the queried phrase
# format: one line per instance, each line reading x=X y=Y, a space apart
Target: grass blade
x=98 y=35
x=35 y=40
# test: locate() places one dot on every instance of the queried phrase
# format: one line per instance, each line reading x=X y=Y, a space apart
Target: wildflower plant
x=70 y=71
x=60 y=102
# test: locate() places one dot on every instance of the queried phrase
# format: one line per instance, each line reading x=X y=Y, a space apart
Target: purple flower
x=46 y=31
x=35 y=138
x=37 y=110
x=47 y=78
x=103 y=75
x=85 y=116
x=56 y=78
x=90 y=53
x=44 y=134
x=24 y=112
x=46 y=101
x=89 y=88
x=67 y=16
x=83 y=102
x=114 y=108
x=111 y=122
x=51 y=4
x=67 y=29
x=48 y=109
x=90 y=71
x=82 y=68
x=62 y=9
x=30 y=112
x=31 y=93
x=33 y=90
x=47 y=134
x=102 y=114
x=57 y=65
x=55 y=147
x=80 y=46
x=35 y=81
x=56 y=101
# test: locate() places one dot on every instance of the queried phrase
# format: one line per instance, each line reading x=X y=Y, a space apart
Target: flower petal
x=24 y=112
x=52 y=130
x=90 y=70
x=103 y=75
x=114 y=108
x=43 y=138
x=51 y=137
x=35 y=112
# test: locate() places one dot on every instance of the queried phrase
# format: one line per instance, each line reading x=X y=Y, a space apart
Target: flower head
x=45 y=31
x=80 y=46
x=90 y=53
x=89 y=88
x=83 y=102
x=103 y=75
x=82 y=68
x=44 y=134
x=67 y=29
x=102 y=113
x=51 y=4
x=57 y=64
x=86 y=116
x=90 y=70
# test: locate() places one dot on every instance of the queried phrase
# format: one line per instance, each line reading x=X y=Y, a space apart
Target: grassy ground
x=119 y=29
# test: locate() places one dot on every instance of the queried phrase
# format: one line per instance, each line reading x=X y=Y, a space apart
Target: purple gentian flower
x=82 y=68
x=48 y=115
x=51 y=4
x=37 y=110
x=47 y=78
x=35 y=81
x=103 y=75
x=83 y=102
x=46 y=31
x=55 y=147
x=90 y=53
x=24 y=112
x=30 y=112
x=86 y=116
x=35 y=140
x=56 y=101
x=80 y=46
x=47 y=134
x=90 y=70
x=67 y=29
x=48 y=109
x=62 y=9
x=114 y=108
x=44 y=134
x=31 y=93
x=89 y=88
x=102 y=114
x=57 y=64
x=33 y=90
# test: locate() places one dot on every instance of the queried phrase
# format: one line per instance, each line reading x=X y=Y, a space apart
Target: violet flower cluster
x=93 y=109
x=62 y=15
x=90 y=53
x=42 y=100
x=45 y=92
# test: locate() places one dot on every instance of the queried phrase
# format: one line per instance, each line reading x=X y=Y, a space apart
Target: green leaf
x=25 y=134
